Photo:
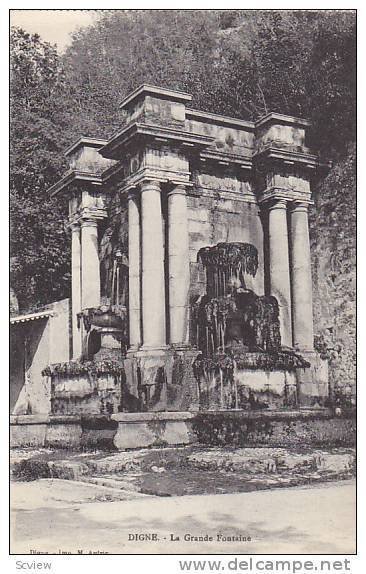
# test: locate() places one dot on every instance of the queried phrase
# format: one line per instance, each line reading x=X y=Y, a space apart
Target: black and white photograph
x=182 y=216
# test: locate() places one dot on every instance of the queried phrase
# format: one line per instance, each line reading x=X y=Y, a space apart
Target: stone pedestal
x=153 y=277
x=313 y=386
x=85 y=395
x=161 y=380
x=110 y=345
x=134 y=269
x=90 y=272
x=76 y=289
x=179 y=275
x=141 y=430
x=302 y=308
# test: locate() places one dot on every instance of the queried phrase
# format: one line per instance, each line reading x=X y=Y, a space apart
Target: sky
x=54 y=26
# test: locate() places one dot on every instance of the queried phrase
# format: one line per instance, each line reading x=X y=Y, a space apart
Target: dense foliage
x=39 y=247
x=237 y=62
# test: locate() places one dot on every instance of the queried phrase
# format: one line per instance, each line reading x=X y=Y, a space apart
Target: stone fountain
x=93 y=384
x=242 y=364
x=105 y=326
x=210 y=218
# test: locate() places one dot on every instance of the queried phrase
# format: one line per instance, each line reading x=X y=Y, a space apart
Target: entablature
x=137 y=133
x=166 y=141
x=72 y=177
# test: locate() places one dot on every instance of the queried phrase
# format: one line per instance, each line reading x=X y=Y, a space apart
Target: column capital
x=73 y=224
x=176 y=189
x=152 y=184
x=299 y=206
x=277 y=204
x=88 y=222
x=132 y=193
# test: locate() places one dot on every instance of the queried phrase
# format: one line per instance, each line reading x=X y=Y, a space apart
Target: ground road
x=59 y=516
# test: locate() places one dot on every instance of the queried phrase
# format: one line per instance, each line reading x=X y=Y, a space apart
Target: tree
x=302 y=63
x=38 y=243
x=240 y=63
x=331 y=83
x=175 y=49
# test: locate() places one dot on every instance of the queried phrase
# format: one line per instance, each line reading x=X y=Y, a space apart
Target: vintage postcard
x=182 y=268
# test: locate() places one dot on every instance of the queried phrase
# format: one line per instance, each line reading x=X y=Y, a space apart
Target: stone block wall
x=228 y=138
x=36 y=344
x=293 y=429
x=214 y=219
x=29 y=392
x=60 y=332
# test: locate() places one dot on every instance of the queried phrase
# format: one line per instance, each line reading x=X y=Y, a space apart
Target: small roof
x=175 y=95
x=84 y=142
x=282 y=119
x=31 y=317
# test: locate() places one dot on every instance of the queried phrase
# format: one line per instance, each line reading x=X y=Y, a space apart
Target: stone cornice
x=115 y=146
x=112 y=171
x=148 y=89
x=227 y=158
x=288 y=156
x=274 y=118
x=71 y=177
x=201 y=191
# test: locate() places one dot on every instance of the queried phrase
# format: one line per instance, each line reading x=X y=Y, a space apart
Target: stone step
x=267 y=460
x=122 y=467
x=121 y=485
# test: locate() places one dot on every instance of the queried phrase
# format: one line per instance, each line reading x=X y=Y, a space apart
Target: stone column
x=153 y=279
x=279 y=270
x=90 y=272
x=75 y=289
x=302 y=306
x=134 y=271
x=179 y=276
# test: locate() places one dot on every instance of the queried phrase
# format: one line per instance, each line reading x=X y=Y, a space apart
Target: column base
x=180 y=347
x=151 y=350
x=132 y=350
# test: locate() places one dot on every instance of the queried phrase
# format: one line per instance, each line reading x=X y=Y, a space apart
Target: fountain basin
x=83 y=388
x=248 y=380
x=104 y=316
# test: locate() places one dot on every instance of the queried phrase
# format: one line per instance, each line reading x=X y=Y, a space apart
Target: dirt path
x=65 y=516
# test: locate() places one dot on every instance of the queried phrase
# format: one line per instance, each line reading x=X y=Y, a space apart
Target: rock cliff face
x=333 y=248
x=14 y=305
